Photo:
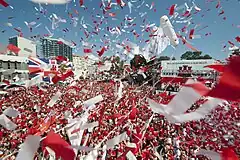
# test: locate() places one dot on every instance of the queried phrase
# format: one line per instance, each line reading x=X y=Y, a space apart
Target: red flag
x=186 y=14
x=229 y=154
x=56 y=79
x=222 y=12
x=61 y=58
x=228 y=87
x=66 y=75
x=238 y=39
x=59 y=146
x=33 y=70
x=119 y=2
x=133 y=113
x=13 y=48
x=171 y=11
x=100 y=53
x=6 y=81
x=191 y=34
x=3 y=3
x=87 y=50
x=128 y=49
x=81 y=2
x=128 y=69
x=217 y=67
x=198 y=87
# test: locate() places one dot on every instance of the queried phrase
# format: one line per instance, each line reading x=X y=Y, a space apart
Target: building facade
x=187 y=68
x=84 y=66
x=12 y=67
x=27 y=47
x=51 y=47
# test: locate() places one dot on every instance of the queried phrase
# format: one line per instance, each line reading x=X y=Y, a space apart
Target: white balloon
x=157 y=44
x=168 y=30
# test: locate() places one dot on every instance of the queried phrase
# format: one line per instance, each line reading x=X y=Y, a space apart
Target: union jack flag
x=42 y=66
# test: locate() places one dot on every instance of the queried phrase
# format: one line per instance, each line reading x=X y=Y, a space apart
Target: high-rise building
x=51 y=47
x=39 y=50
x=26 y=46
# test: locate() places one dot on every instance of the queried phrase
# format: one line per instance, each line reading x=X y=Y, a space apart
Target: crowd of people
x=152 y=135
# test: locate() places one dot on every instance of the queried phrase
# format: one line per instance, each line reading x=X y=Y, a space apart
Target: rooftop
x=13 y=58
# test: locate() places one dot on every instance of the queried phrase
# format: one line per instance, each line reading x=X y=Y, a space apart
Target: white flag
x=89 y=125
x=130 y=156
x=120 y=89
x=54 y=99
x=92 y=155
x=156 y=107
x=200 y=113
x=104 y=152
x=76 y=138
x=7 y=123
x=116 y=140
x=83 y=148
x=29 y=147
x=11 y=112
x=183 y=100
x=131 y=145
x=34 y=81
x=93 y=100
x=210 y=154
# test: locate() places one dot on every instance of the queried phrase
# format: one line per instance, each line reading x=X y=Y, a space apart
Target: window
x=19 y=65
x=8 y=64
x=28 y=50
x=15 y=65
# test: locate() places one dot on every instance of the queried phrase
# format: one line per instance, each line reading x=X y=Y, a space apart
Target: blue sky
x=221 y=30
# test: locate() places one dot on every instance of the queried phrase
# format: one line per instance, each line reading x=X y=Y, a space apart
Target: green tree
x=164 y=58
x=206 y=56
x=138 y=61
x=189 y=55
x=117 y=59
